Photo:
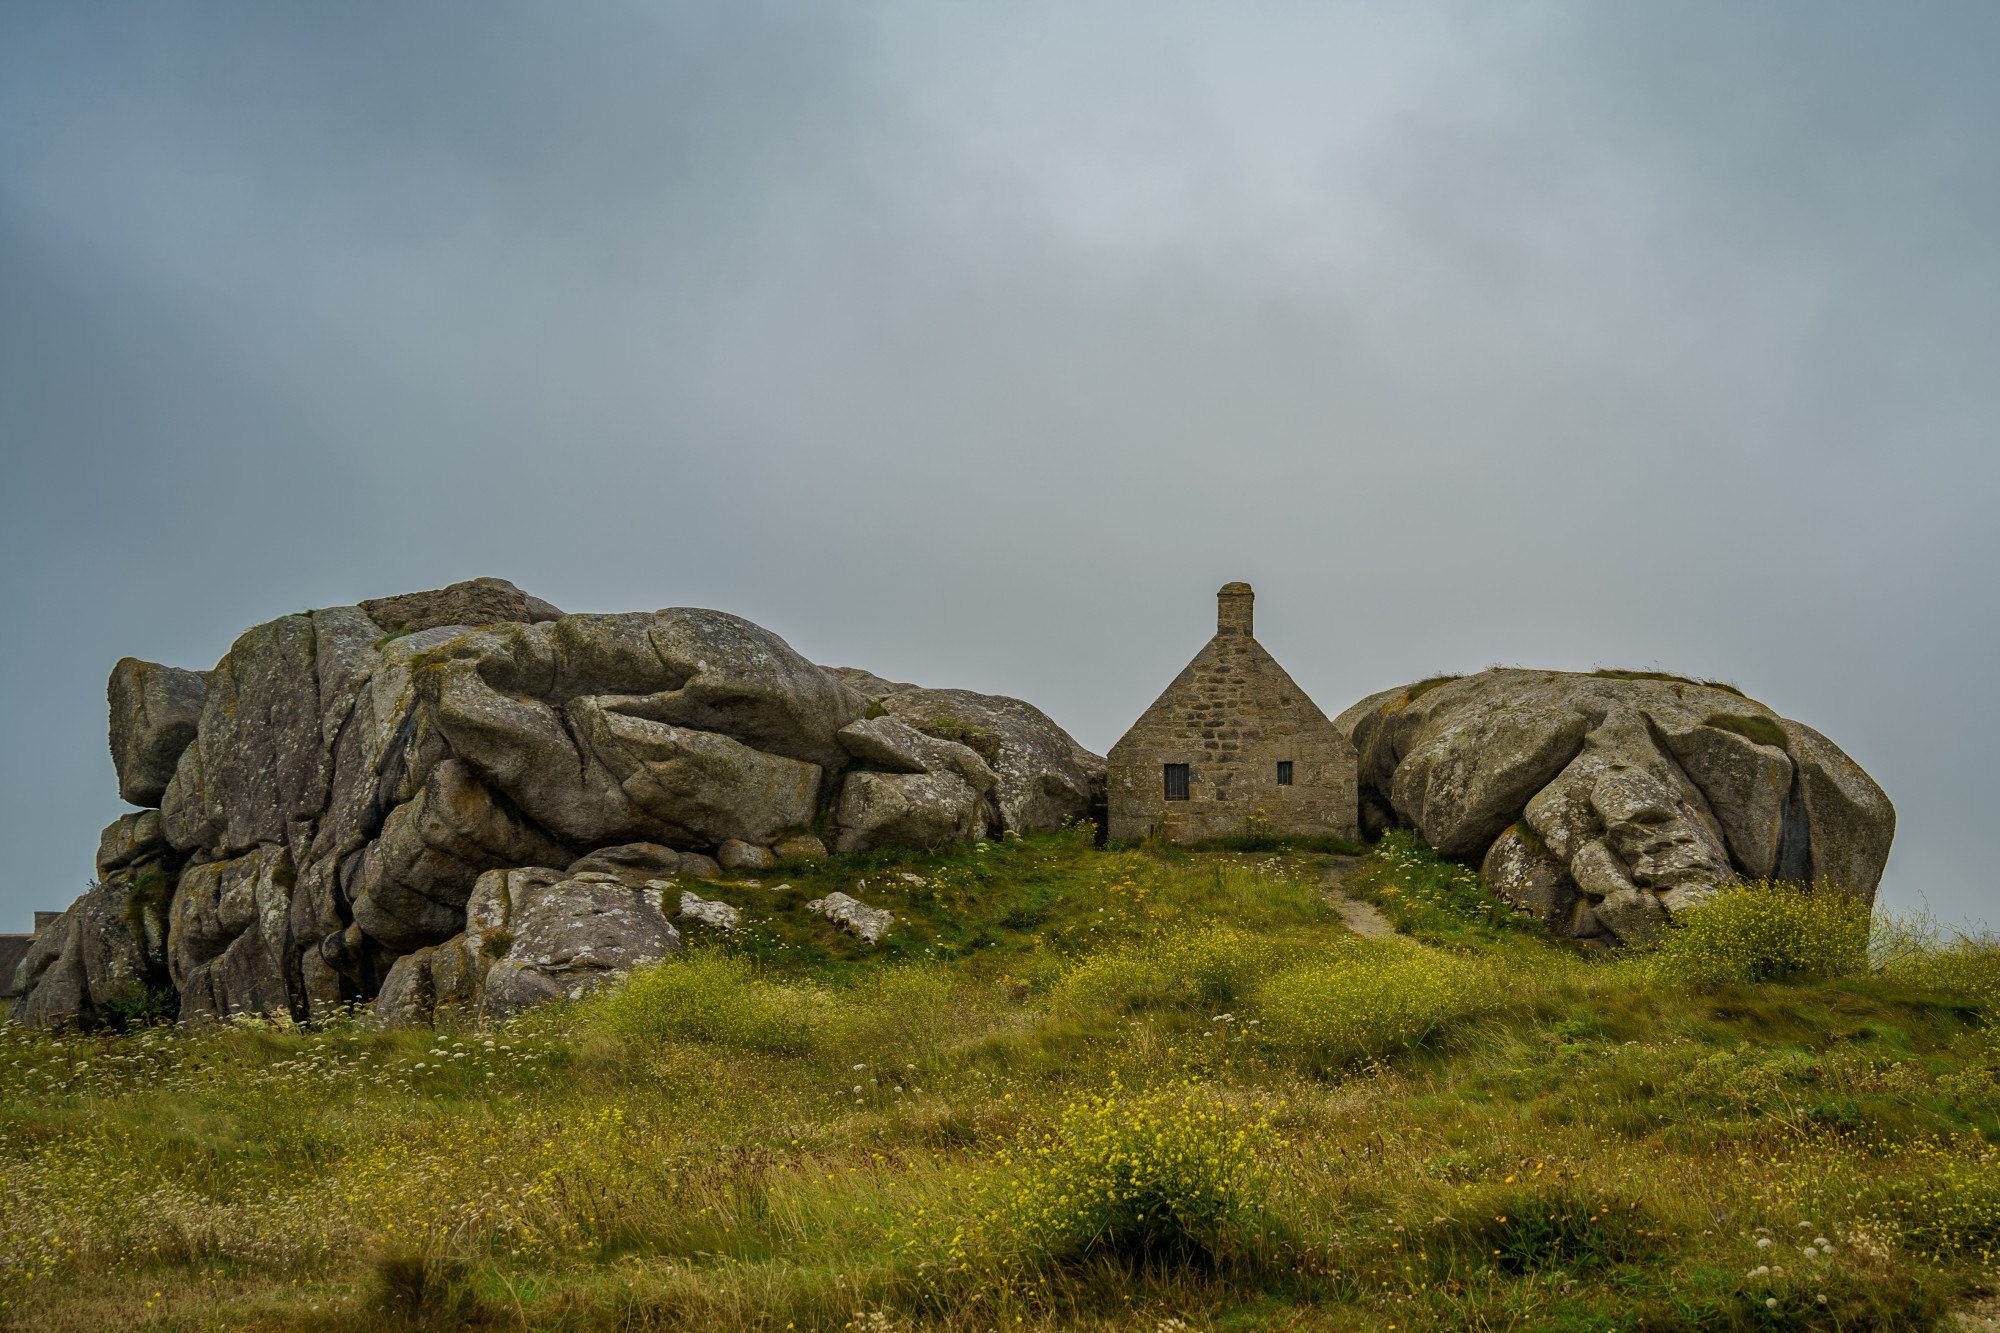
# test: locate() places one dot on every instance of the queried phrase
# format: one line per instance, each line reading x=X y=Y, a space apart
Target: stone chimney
x=43 y=920
x=1232 y=610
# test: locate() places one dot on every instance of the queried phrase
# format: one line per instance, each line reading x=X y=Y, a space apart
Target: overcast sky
x=978 y=344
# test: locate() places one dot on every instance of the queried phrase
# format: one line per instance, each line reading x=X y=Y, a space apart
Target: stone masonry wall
x=1231 y=716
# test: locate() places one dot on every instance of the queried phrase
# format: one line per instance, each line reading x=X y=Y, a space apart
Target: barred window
x=1284 y=772
x=1177 y=782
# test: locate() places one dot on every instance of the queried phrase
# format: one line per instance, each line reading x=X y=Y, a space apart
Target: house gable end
x=1254 y=749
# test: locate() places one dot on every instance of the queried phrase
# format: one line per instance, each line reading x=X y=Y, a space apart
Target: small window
x=1284 y=772
x=1177 y=782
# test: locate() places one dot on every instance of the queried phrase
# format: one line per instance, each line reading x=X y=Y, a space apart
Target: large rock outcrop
x=336 y=794
x=1607 y=803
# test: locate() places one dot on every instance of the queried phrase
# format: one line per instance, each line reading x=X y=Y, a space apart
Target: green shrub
x=1361 y=998
x=720 y=999
x=1198 y=969
x=140 y=1005
x=980 y=740
x=1762 y=932
x=1169 y=1174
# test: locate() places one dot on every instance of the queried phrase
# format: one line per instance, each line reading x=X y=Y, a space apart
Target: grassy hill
x=1074 y=1088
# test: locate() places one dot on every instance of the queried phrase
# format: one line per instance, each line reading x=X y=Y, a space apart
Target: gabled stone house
x=1232 y=740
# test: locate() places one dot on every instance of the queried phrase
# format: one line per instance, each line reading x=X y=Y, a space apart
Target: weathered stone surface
x=184 y=805
x=1521 y=870
x=381 y=747
x=917 y=810
x=1633 y=915
x=523 y=747
x=580 y=930
x=1364 y=724
x=416 y=876
x=720 y=916
x=853 y=916
x=916 y=791
x=262 y=764
x=696 y=866
x=1579 y=922
x=531 y=936
x=1677 y=901
x=1672 y=786
x=130 y=839
x=1745 y=783
x=631 y=779
x=1231 y=718
x=635 y=860
x=736 y=854
x=324 y=990
x=1044 y=776
x=407 y=998
x=13 y=952
x=1657 y=831
x=1471 y=775
x=155 y=712
x=486 y=601
x=82 y=962
x=802 y=847
x=1598 y=872
x=746 y=682
x=701 y=787
x=891 y=745
x=869 y=685
x=1849 y=819
x=229 y=942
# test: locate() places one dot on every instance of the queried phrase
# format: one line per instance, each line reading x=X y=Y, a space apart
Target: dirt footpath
x=1361 y=918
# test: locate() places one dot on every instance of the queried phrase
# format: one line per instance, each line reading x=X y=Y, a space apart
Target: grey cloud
x=977 y=344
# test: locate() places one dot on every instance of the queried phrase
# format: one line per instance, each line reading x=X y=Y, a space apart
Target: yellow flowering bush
x=1759 y=932
x=1361 y=998
x=1171 y=1172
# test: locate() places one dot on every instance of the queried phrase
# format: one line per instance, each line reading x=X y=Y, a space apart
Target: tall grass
x=1175 y=1094
x=1914 y=949
x=718 y=998
x=1432 y=899
x=1359 y=999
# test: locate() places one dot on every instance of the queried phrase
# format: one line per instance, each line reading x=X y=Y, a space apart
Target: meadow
x=1075 y=1088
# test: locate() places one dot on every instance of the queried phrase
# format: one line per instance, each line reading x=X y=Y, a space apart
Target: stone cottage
x=1233 y=739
